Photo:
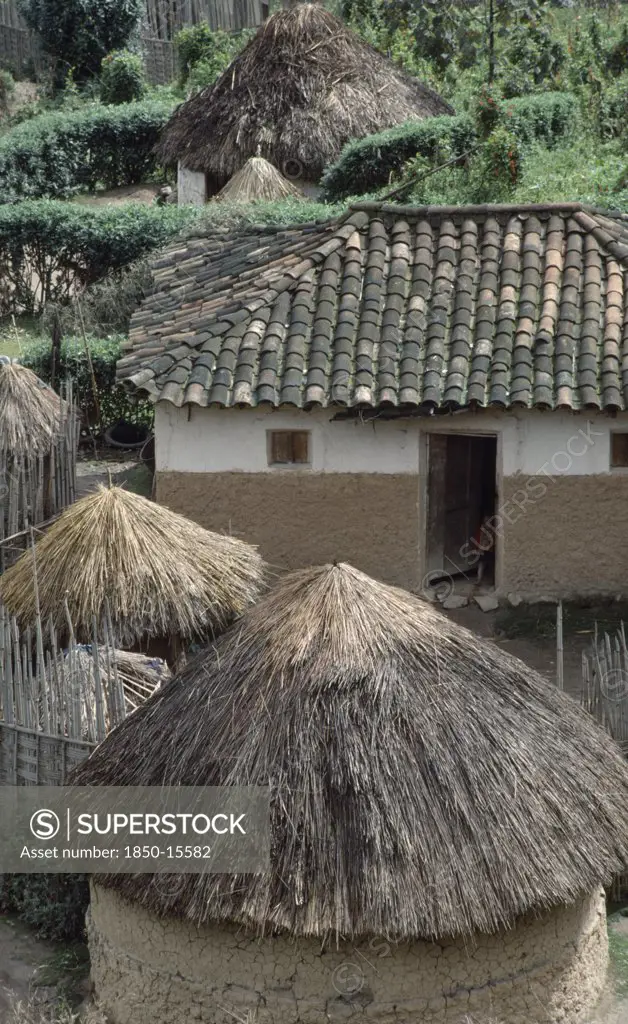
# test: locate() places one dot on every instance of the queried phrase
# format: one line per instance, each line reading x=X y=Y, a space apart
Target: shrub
x=546 y=117
x=617 y=57
x=198 y=46
x=122 y=77
x=58 y=154
x=105 y=307
x=50 y=250
x=613 y=108
x=53 y=905
x=77 y=34
x=7 y=88
x=488 y=109
x=111 y=402
x=370 y=163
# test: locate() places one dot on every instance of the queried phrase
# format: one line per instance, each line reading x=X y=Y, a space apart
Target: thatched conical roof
x=160 y=574
x=31 y=412
x=303 y=87
x=257 y=181
x=424 y=783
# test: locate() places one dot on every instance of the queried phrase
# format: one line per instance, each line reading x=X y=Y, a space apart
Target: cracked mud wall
x=147 y=969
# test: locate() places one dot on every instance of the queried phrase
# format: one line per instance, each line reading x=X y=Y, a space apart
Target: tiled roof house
x=376 y=387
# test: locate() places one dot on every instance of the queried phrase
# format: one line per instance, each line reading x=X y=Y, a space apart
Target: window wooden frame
x=288 y=447
x=619 y=450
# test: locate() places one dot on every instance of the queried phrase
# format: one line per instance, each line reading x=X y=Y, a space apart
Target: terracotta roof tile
x=412 y=307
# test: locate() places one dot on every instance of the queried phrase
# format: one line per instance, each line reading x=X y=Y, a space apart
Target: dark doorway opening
x=461 y=504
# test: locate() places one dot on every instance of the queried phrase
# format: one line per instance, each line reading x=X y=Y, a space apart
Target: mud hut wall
x=547 y=969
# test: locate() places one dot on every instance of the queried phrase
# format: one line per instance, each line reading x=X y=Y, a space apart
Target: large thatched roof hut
x=38 y=439
x=303 y=87
x=431 y=797
x=157 y=576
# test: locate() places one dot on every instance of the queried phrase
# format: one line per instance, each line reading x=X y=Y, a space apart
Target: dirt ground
x=538 y=652
x=143 y=193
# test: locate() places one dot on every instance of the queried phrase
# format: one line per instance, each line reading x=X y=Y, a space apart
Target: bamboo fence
x=33 y=490
x=57 y=705
x=605 y=696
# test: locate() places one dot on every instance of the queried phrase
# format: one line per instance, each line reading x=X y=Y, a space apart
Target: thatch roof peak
x=160 y=574
x=31 y=413
x=424 y=783
x=303 y=87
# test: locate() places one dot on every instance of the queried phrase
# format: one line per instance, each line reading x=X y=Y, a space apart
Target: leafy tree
x=463 y=29
x=77 y=34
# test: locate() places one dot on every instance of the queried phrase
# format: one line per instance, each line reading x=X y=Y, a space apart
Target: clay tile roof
x=411 y=307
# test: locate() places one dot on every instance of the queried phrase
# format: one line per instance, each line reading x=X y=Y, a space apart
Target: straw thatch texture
x=257 y=181
x=31 y=413
x=159 y=574
x=424 y=783
x=302 y=88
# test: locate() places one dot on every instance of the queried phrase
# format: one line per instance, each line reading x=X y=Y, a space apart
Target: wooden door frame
x=424 y=468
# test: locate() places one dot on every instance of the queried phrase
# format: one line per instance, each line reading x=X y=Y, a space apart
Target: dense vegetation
x=540 y=91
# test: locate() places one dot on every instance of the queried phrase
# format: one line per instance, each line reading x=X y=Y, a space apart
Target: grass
x=65 y=971
x=29 y=1012
x=585 y=170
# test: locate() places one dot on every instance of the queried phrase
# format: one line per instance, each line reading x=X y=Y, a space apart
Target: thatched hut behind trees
x=38 y=441
x=442 y=820
x=155 y=578
x=303 y=87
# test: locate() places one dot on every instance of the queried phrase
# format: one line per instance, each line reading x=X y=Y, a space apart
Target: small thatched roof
x=424 y=783
x=160 y=574
x=303 y=87
x=31 y=413
x=257 y=181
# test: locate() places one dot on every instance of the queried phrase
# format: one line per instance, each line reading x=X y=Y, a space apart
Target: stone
x=515 y=600
x=455 y=601
x=487 y=602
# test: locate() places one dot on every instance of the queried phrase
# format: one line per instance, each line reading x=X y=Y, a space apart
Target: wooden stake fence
x=55 y=705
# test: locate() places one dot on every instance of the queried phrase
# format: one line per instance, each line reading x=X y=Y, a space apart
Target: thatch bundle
x=31 y=413
x=156 y=573
x=302 y=88
x=424 y=783
x=257 y=181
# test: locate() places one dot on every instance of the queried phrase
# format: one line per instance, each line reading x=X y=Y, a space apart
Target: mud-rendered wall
x=146 y=970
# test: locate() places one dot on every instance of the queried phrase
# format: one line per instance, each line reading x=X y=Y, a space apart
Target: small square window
x=619 y=451
x=288 y=447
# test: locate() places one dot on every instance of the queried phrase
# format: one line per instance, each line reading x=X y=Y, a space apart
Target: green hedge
x=53 y=905
x=113 y=403
x=50 y=250
x=545 y=118
x=368 y=164
x=56 y=155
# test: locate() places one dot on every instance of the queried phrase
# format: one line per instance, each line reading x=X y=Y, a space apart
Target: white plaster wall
x=234 y=440
x=196 y=440
x=543 y=971
x=191 y=187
